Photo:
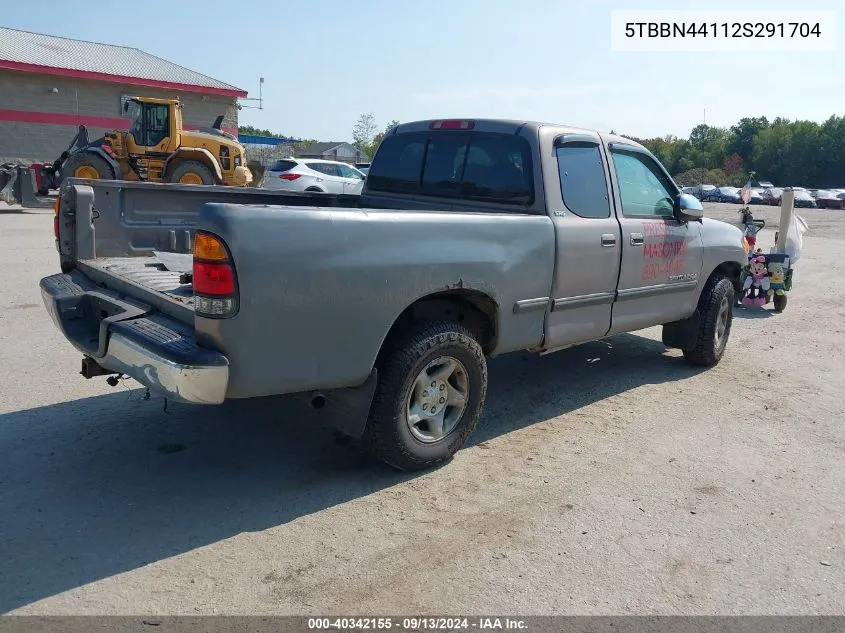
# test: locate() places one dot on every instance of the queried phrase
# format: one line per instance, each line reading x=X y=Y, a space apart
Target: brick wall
x=31 y=92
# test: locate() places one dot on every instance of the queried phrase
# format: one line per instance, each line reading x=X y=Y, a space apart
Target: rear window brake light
x=452 y=124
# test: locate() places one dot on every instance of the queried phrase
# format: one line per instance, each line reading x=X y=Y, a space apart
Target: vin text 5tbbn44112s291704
x=471 y=238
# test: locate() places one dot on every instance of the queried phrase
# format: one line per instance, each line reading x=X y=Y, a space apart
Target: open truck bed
x=121 y=298
x=124 y=236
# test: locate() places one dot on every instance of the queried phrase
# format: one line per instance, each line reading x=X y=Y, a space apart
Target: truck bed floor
x=149 y=272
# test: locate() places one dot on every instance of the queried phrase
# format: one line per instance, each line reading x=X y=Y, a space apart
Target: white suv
x=305 y=174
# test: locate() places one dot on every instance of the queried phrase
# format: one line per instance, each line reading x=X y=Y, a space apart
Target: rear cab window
x=475 y=166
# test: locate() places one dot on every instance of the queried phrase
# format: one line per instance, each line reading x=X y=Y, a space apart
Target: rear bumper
x=127 y=337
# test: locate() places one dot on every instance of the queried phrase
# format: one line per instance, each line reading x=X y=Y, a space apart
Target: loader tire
x=89 y=166
x=715 y=310
x=432 y=383
x=192 y=172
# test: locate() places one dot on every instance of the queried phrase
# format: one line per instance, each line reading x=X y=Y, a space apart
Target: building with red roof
x=50 y=85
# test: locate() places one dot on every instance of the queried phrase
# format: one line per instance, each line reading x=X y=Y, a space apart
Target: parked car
x=772 y=196
x=804 y=200
x=703 y=192
x=725 y=194
x=759 y=184
x=756 y=197
x=470 y=239
x=830 y=199
x=324 y=176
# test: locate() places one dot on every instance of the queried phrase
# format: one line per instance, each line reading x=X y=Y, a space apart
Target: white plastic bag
x=795 y=237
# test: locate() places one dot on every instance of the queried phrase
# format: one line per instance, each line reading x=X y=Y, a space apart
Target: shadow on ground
x=95 y=487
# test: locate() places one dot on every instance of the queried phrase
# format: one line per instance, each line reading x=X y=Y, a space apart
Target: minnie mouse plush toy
x=757 y=283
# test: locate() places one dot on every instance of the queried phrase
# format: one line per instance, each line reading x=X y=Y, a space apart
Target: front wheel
x=87 y=165
x=192 y=172
x=431 y=388
x=715 y=311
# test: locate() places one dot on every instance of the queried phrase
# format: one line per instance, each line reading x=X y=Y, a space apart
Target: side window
x=156 y=124
x=582 y=180
x=399 y=165
x=347 y=172
x=325 y=168
x=643 y=187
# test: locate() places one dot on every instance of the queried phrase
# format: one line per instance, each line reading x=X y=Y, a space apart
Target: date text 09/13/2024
x=417 y=624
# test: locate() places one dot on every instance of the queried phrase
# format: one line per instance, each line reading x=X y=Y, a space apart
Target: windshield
x=800 y=194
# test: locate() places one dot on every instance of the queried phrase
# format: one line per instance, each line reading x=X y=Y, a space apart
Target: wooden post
x=786 y=209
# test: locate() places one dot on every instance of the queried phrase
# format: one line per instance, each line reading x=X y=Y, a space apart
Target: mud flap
x=347 y=409
x=682 y=334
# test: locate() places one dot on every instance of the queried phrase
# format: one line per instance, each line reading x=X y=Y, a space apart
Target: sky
x=325 y=63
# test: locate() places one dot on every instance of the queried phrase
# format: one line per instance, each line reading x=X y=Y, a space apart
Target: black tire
x=388 y=434
x=708 y=349
x=780 y=302
x=202 y=172
x=89 y=160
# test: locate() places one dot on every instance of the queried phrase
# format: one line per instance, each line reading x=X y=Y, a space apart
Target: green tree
x=254 y=131
x=363 y=133
x=743 y=134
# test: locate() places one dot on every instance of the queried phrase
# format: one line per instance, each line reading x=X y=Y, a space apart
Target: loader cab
x=154 y=125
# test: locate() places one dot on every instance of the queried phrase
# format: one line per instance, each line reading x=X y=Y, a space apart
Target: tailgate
x=126 y=336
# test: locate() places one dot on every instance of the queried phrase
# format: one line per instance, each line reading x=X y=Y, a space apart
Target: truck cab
x=629 y=247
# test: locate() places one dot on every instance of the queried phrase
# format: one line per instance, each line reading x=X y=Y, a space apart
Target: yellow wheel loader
x=155 y=149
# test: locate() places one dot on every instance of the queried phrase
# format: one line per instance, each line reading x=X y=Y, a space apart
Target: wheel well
x=314 y=189
x=732 y=271
x=474 y=310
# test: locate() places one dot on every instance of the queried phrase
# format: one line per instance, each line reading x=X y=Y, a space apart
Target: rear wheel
x=192 y=172
x=715 y=310
x=431 y=387
x=89 y=166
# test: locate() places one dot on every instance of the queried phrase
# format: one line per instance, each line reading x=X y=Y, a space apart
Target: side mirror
x=688 y=208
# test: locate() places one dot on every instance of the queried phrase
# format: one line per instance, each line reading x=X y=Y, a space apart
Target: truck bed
x=149 y=273
x=111 y=231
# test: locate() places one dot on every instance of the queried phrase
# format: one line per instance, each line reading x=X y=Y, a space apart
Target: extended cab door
x=588 y=239
x=661 y=256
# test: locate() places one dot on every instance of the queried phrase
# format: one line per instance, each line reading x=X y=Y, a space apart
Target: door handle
x=637 y=239
x=608 y=239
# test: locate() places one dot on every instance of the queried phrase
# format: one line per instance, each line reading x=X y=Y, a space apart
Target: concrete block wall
x=95 y=103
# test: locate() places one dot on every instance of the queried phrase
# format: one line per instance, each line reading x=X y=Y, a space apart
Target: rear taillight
x=56 y=217
x=214 y=280
x=288 y=176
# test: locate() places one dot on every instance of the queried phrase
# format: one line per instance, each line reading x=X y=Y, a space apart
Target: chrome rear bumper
x=126 y=337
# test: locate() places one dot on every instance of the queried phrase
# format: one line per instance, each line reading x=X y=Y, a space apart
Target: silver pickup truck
x=472 y=238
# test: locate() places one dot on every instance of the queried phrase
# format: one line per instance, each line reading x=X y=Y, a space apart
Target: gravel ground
x=612 y=478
